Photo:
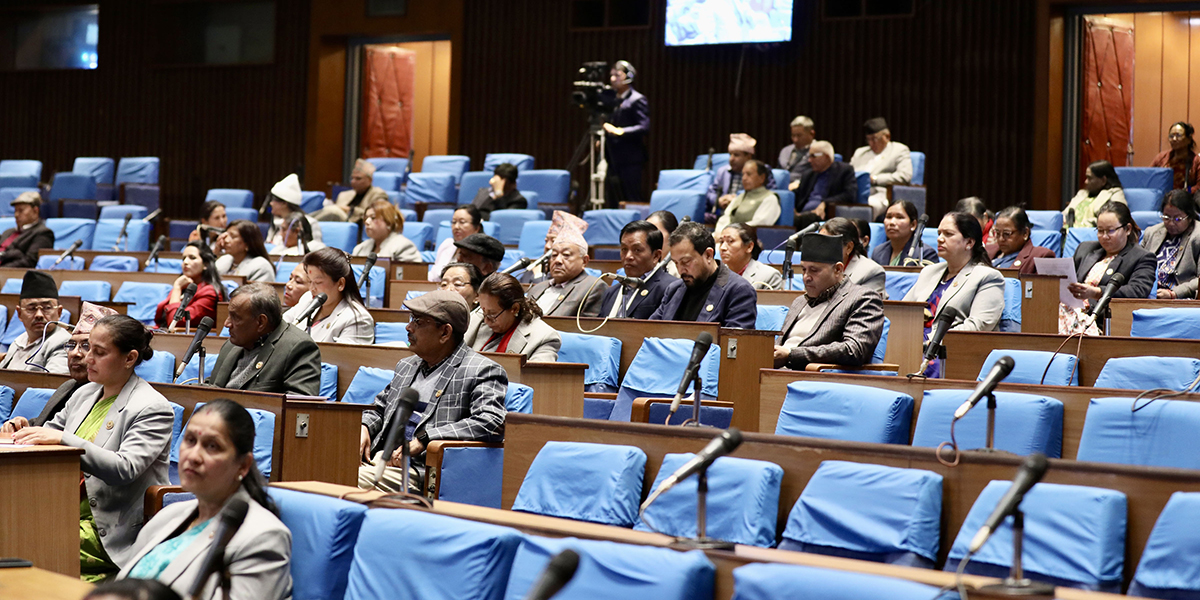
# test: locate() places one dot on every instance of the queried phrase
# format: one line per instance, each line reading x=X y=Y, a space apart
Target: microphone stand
x=695 y=420
x=702 y=541
x=991 y=422
x=1016 y=584
x=202 y=353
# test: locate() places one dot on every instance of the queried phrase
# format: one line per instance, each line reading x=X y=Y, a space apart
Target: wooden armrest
x=600 y=395
x=872 y=367
x=435 y=453
x=154 y=498
x=641 y=407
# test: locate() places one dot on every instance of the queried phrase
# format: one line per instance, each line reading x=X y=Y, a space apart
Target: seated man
x=727 y=181
x=569 y=286
x=537 y=272
x=461 y=392
x=830 y=182
x=502 y=193
x=264 y=353
x=710 y=291
x=641 y=251
x=481 y=250
x=888 y=162
x=352 y=204
x=757 y=204
x=835 y=321
x=19 y=246
x=794 y=156
x=42 y=347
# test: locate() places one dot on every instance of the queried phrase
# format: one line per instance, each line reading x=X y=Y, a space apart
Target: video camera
x=593 y=92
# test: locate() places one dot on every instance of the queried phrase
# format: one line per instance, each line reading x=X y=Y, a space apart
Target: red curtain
x=389 y=75
x=1107 y=95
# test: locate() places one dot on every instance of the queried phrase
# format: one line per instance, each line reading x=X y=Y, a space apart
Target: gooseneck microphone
x=77 y=244
x=1030 y=473
x=999 y=371
x=311 y=310
x=795 y=238
x=721 y=445
x=517 y=266
x=1114 y=283
x=555 y=576
x=184 y=301
x=703 y=342
x=228 y=523
x=152 y=216
x=913 y=250
x=124 y=233
x=625 y=280
x=941 y=326
x=158 y=246
x=404 y=409
x=202 y=330
x=371 y=258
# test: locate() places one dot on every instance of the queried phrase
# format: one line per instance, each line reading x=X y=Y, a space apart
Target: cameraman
x=626 y=129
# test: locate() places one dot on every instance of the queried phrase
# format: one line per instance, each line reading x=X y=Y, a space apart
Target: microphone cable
x=579 y=311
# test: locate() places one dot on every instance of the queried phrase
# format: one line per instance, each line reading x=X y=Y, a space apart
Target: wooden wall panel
x=1147 y=86
x=1175 y=66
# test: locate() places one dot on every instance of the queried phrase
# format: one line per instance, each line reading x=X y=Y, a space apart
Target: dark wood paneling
x=240 y=127
x=955 y=81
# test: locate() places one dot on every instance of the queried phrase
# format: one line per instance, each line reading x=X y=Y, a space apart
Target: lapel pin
x=110 y=425
x=438 y=394
x=1109 y=272
x=1017 y=264
x=645 y=292
x=708 y=308
x=259 y=365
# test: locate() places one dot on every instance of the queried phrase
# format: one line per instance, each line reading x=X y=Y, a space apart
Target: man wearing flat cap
x=835 y=321
x=352 y=204
x=19 y=246
x=42 y=347
x=286 y=198
x=569 y=289
x=481 y=250
x=727 y=181
x=460 y=392
x=888 y=162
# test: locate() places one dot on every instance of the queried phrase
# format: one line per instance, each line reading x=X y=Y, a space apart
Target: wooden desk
x=38 y=584
x=70 y=303
x=409 y=271
x=398 y=289
x=966 y=350
x=39 y=507
x=115 y=277
x=1147 y=488
x=1122 y=311
x=89 y=255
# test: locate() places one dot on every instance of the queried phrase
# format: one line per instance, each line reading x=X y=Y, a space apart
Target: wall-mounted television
x=700 y=22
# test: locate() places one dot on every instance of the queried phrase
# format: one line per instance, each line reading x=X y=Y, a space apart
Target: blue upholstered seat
x=1025 y=423
x=511 y=222
x=324 y=533
x=684 y=179
x=31 y=403
x=118 y=211
x=137 y=169
x=391 y=334
x=1161 y=433
x=419 y=233
x=192 y=369
x=366 y=384
x=329 y=380
x=840 y=411
x=107 y=230
x=66 y=231
x=389 y=165
x=159 y=369
x=90 y=291
x=682 y=203
x=7 y=395
x=523 y=162
x=770 y=317
x=454 y=165
x=533 y=237
x=102 y=169
x=766 y=581
x=1161 y=179
x=1168 y=565
x=1172 y=323
x=144 y=297
x=340 y=235
x=598 y=483
x=658 y=356
x=719 y=159
x=604 y=225
x=1149 y=372
x=231 y=198
x=1028 y=366
x=433 y=188
x=552 y=186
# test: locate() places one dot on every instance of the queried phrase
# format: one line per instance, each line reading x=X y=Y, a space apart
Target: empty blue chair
x=1076 y=236
x=696 y=180
x=512 y=221
x=868 y=512
x=600 y=353
x=472 y=182
x=454 y=165
x=839 y=411
x=523 y=162
x=31 y=403
x=1050 y=220
x=20 y=173
x=457 y=558
x=435 y=216
x=14 y=329
x=388 y=182
x=46 y=263
x=147 y=195
x=1025 y=423
x=7 y=195
x=552 y=186
x=743 y=501
x=787 y=208
x=1149 y=372
x=72 y=186
x=118 y=211
x=324 y=532
x=533 y=237
x=1047 y=239
x=770 y=317
x=604 y=225
x=1074 y=536
x=391 y=334
x=144 y=298
x=125 y=264
x=366 y=384
x=598 y=483
x=311 y=201
x=377 y=281
x=90 y=291
x=419 y=233
x=246 y=214
x=910 y=193
x=192 y=369
x=11 y=286
x=6 y=402
x=160 y=368
x=659 y=413
x=863 y=179
x=1161 y=433
x=1010 y=317
x=612 y=570
x=231 y=198
x=645 y=376
x=66 y=231
x=1146 y=218
x=679 y=202
x=782 y=179
x=1172 y=323
x=340 y=235
x=433 y=188
x=719 y=159
x=1161 y=179
x=918 y=166
x=1168 y=566
x=389 y=165
x=138 y=169
x=105 y=237
x=775 y=257
x=329 y=377
x=767 y=581
x=165 y=265
x=897 y=284
x=1030 y=364
x=101 y=169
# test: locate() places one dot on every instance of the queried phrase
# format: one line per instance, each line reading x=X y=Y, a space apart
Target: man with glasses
x=888 y=162
x=569 y=290
x=41 y=347
x=830 y=182
x=265 y=353
x=460 y=392
x=19 y=246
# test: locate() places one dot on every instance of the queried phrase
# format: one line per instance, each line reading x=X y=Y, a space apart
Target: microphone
x=152 y=216
x=1114 y=283
x=711 y=150
x=184 y=301
x=407 y=403
x=795 y=237
x=158 y=245
x=202 y=330
x=721 y=445
x=703 y=341
x=69 y=251
x=317 y=302
x=941 y=325
x=1069 y=222
x=211 y=229
x=912 y=250
x=999 y=371
x=371 y=258
x=1030 y=473
x=556 y=576
x=230 y=520
x=517 y=266
x=632 y=282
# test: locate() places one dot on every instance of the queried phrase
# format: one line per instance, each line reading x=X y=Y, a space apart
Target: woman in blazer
x=859 y=269
x=343 y=318
x=1101 y=185
x=738 y=244
x=508 y=321
x=963 y=281
x=900 y=227
x=124 y=428
x=200 y=268
x=1013 y=248
x=216 y=464
x=244 y=253
x=1176 y=245
x=1095 y=263
x=383 y=229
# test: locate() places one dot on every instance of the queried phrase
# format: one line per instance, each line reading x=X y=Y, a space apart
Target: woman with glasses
x=465 y=221
x=1176 y=245
x=1013 y=248
x=508 y=321
x=343 y=318
x=1096 y=262
x=1181 y=156
x=383 y=233
x=1101 y=185
x=463 y=278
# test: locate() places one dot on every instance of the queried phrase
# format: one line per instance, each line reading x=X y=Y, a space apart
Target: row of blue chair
x=101 y=171
x=721 y=159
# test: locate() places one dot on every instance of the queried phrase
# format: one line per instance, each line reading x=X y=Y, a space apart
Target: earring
x=239 y=477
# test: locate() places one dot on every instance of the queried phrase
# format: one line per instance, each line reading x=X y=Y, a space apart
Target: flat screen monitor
x=699 y=22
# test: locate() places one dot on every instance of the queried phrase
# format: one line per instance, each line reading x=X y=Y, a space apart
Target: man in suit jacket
x=888 y=162
x=264 y=353
x=19 y=246
x=835 y=321
x=794 y=156
x=727 y=181
x=641 y=251
x=830 y=182
x=352 y=204
x=461 y=392
x=569 y=286
x=710 y=291
x=626 y=133
x=42 y=346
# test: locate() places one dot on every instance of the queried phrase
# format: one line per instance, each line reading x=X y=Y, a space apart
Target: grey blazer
x=577 y=293
x=1185 y=268
x=847 y=332
x=538 y=341
x=977 y=292
x=129 y=455
x=395 y=247
x=762 y=277
x=258 y=556
x=867 y=273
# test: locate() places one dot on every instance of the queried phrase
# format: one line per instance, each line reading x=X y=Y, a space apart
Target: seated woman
x=1181 y=156
x=900 y=226
x=1013 y=248
x=382 y=235
x=738 y=244
x=297 y=239
x=343 y=318
x=216 y=463
x=1116 y=251
x=501 y=193
x=465 y=221
x=124 y=428
x=297 y=285
x=465 y=279
x=286 y=198
x=508 y=321
x=1176 y=245
x=244 y=253
x=860 y=270
x=964 y=281
x=212 y=216
x=975 y=207
x=200 y=268
x=1101 y=185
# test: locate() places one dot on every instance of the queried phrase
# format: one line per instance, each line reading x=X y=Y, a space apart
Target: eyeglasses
x=1175 y=136
x=1004 y=235
x=418 y=320
x=1175 y=220
x=457 y=283
x=72 y=345
x=35 y=309
x=1108 y=232
x=487 y=316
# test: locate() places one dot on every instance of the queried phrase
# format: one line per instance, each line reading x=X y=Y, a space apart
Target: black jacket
x=23 y=252
x=1136 y=264
x=646 y=299
x=843 y=188
x=486 y=203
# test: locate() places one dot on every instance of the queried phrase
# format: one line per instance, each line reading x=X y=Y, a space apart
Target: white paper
x=1066 y=268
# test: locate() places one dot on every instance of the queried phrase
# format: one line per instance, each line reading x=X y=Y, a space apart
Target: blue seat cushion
x=324 y=533
x=1029 y=365
x=1161 y=433
x=766 y=581
x=1169 y=560
x=1172 y=323
x=1149 y=372
x=599 y=483
x=840 y=411
x=366 y=384
x=1025 y=423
